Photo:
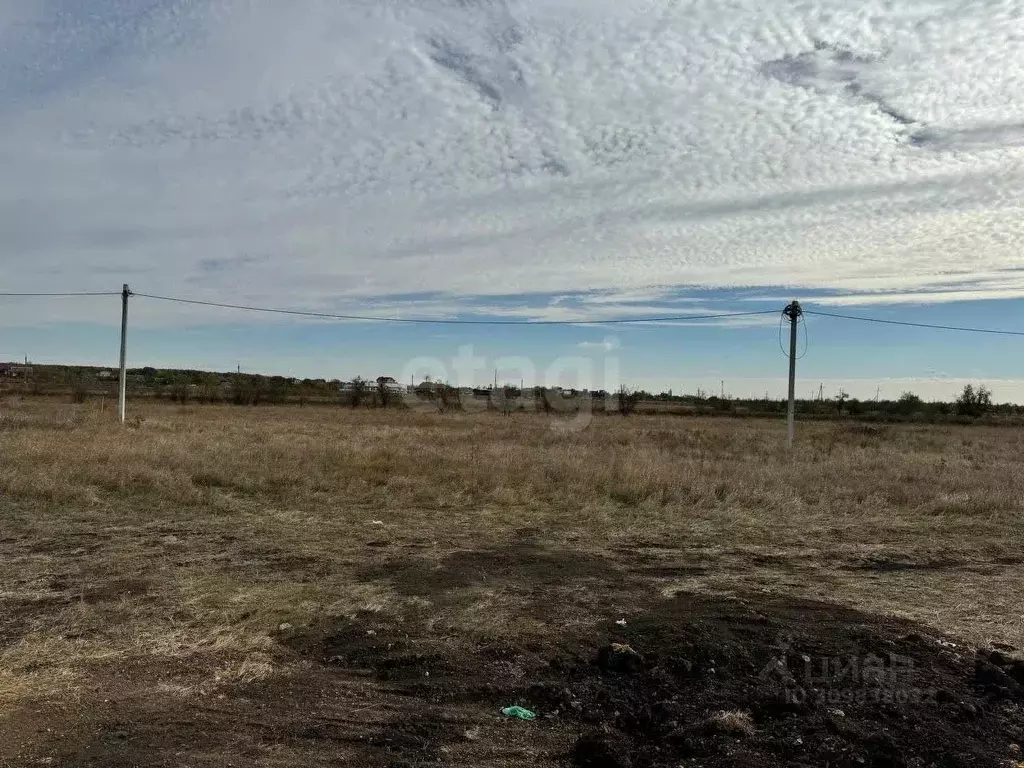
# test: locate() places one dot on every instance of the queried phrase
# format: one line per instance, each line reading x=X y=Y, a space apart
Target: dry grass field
x=204 y=586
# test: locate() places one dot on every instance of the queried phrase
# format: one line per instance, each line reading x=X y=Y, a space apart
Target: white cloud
x=917 y=297
x=339 y=156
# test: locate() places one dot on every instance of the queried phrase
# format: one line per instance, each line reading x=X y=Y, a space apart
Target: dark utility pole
x=793 y=312
x=122 y=381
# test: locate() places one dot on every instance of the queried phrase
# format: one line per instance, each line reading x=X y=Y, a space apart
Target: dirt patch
x=896 y=565
x=270 y=563
x=117 y=589
x=694 y=680
x=779 y=684
x=885 y=565
x=520 y=562
x=20 y=614
x=714 y=682
x=488 y=589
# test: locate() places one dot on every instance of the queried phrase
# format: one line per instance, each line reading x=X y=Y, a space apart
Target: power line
x=73 y=293
x=369 y=318
x=442 y=321
x=913 y=325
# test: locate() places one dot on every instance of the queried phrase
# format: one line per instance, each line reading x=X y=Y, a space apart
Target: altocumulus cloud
x=324 y=154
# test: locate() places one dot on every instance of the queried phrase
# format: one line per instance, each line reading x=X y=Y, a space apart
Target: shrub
x=179 y=389
x=974 y=402
x=908 y=404
x=627 y=401
x=79 y=389
x=357 y=394
x=247 y=390
x=209 y=390
x=384 y=395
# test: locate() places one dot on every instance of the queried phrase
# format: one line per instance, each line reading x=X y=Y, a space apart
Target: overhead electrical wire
x=453 y=321
x=446 y=321
x=913 y=325
x=71 y=293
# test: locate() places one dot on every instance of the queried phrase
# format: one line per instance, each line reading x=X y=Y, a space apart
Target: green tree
x=247 y=389
x=384 y=394
x=974 y=402
x=358 y=392
x=908 y=404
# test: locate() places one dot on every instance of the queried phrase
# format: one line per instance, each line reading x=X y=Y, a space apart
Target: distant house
x=105 y=375
x=388 y=384
x=15 y=371
x=429 y=387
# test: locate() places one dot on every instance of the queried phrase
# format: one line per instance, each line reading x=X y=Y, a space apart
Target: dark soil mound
x=712 y=682
x=796 y=685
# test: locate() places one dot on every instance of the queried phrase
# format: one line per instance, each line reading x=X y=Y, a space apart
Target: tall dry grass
x=197 y=532
x=311 y=457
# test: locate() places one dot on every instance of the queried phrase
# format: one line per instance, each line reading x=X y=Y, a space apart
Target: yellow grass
x=203 y=535
x=734 y=722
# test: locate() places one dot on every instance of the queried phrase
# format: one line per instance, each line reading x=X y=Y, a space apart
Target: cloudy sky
x=534 y=159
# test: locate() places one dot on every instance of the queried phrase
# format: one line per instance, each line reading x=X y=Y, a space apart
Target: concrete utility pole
x=122 y=381
x=793 y=312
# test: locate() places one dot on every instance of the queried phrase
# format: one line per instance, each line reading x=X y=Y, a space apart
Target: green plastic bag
x=522 y=714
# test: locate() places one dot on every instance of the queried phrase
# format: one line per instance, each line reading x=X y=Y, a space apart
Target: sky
x=520 y=159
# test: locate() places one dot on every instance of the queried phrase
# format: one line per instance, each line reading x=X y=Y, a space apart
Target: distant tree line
x=192 y=386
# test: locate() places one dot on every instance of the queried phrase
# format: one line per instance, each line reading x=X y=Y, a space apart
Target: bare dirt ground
x=219 y=586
